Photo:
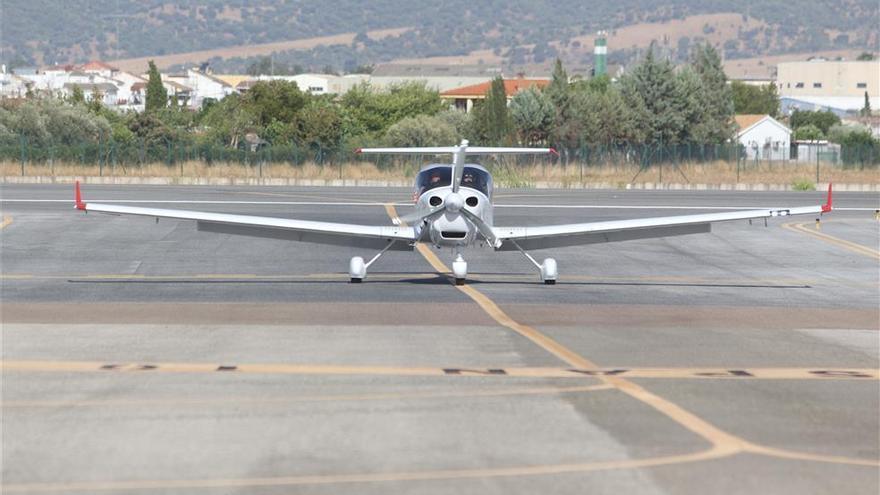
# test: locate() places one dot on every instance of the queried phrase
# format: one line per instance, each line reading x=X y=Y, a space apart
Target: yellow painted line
x=715 y=373
x=541 y=470
x=6 y=221
x=721 y=440
x=182 y=401
x=850 y=246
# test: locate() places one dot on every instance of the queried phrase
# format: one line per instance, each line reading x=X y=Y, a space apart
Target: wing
x=339 y=234
x=531 y=238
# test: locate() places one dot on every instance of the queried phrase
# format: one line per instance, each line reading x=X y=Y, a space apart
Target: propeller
x=417 y=216
x=482 y=227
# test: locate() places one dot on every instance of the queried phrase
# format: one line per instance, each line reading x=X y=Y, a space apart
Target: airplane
x=453 y=208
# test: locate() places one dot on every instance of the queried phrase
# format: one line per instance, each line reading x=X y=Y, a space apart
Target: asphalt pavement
x=145 y=357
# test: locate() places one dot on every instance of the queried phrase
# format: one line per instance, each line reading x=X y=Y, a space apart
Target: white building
x=316 y=84
x=12 y=86
x=763 y=137
x=202 y=86
x=107 y=92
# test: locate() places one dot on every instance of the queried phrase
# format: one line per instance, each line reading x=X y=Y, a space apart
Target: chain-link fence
x=576 y=163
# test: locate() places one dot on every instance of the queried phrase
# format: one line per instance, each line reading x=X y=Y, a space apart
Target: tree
x=749 y=99
x=157 y=96
x=421 y=130
x=651 y=90
x=808 y=132
x=321 y=126
x=77 y=97
x=823 y=120
x=605 y=118
x=865 y=56
x=866 y=109
x=373 y=112
x=715 y=97
x=275 y=100
x=566 y=127
x=532 y=114
x=491 y=120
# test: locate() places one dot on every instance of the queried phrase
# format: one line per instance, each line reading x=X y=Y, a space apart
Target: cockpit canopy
x=473 y=177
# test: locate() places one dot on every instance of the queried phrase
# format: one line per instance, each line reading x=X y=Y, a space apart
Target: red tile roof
x=746 y=120
x=511 y=87
x=97 y=65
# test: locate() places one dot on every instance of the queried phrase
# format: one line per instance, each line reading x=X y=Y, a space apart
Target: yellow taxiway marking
x=449 y=474
x=850 y=246
x=718 y=438
x=416 y=394
x=815 y=373
x=6 y=221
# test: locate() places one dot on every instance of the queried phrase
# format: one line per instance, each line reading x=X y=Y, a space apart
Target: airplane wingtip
x=828 y=202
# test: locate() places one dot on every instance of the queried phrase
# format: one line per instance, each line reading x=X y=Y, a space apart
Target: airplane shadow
x=439 y=279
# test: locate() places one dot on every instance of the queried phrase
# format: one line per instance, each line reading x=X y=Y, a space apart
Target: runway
x=144 y=357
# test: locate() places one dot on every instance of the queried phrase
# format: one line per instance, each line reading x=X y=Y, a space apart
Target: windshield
x=438 y=176
x=477 y=179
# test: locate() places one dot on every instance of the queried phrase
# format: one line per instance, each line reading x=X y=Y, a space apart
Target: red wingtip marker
x=554 y=152
x=827 y=206
x=78 y=197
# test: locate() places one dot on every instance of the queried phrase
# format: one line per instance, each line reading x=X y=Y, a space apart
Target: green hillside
x=49 y=31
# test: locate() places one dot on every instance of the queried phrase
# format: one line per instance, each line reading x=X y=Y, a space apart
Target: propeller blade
x=482 y=227
x=417 y=216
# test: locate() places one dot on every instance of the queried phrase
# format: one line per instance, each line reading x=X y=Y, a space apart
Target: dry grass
x=139 y=65
x=522 y=175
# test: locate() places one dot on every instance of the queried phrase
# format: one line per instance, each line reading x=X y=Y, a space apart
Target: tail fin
x=77 y=197
x=827 y=206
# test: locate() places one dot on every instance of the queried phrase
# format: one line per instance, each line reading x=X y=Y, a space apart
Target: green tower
x=600 y=54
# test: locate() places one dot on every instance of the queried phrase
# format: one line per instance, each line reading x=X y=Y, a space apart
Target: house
x=182 y=95
x=107 y=92
x=763 y=137
x=464 y=98
x=12 y=86
x=204 y=85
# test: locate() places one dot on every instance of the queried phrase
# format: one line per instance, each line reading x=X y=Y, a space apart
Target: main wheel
x=356 y=280
x=459 y=281
x=550 y=282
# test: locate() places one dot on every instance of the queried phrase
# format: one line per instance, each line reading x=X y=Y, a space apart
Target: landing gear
x=357 y=269
x=459 y=269
x=548 y=269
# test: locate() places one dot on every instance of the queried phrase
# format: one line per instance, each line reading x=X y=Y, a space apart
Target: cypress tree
x=716 y=98
x=157 y=96
x=492 y=121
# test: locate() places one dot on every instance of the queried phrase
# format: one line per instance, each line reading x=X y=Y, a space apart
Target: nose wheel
x=459 y=269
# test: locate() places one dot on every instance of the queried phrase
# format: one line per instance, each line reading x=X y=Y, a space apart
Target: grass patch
x=803 y=185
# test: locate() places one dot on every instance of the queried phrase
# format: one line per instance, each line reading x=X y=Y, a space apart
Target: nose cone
x=454 y=202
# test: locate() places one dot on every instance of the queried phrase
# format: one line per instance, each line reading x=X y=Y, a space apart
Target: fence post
x=21 y=141
x=817 y=165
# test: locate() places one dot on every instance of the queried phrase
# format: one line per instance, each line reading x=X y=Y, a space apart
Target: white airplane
x=453 y=208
